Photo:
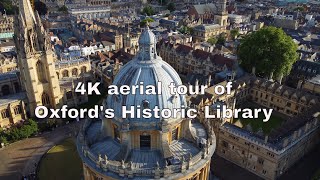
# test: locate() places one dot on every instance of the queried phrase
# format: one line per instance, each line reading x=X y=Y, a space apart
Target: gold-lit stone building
x=294 y=127
x=151 y=148
x=41 y=79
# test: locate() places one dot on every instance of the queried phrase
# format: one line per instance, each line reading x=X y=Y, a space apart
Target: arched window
x=75 y=72
x=5 y=89
x=41 y=72
x=65 y=73
x=58 y=75
x=83 y=69
x=45 y=99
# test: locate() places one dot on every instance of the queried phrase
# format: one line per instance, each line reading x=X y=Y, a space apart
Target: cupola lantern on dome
x=147 y=45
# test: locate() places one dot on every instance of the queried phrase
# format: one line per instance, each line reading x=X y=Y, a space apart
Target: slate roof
x=202 y=8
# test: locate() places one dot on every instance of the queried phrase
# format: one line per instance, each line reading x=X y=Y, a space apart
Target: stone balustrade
x=126 y=170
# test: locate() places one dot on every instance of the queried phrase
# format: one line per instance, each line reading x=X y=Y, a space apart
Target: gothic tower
x=35 y=60
x=221 y=17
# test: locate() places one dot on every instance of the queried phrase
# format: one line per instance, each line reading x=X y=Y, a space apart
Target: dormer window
x=145 y=104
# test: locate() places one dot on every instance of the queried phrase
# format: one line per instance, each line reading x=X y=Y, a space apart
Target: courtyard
x=257 y=125
x=61 y=162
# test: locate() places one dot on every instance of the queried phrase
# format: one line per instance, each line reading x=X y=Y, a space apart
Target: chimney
x=280 y=78
x=266 y=139
x=299 y=86
x=209 y=81
x=270 y=77
x=253 y=72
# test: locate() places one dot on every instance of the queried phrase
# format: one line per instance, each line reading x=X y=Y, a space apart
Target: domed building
x=146 y=148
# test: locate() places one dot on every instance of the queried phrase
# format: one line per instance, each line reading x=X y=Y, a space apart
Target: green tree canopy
x=144 y=22
x=300 y=8
x=162 y=2
x=186 y=30
x=269 y=50
x=41 y=7
x=212 y=40
x=171 y=7
x=221 y=39
x=234 y=33
x=6 y=6
x=63 y=9
x=148 y=10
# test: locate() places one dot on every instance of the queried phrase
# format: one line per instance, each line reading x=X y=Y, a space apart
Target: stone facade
x=37 y=83
x=205 y=31
x=267 y=155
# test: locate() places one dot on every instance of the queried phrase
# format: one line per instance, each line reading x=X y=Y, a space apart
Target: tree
x=3 y=140
x=145 y=21
x=148 y=10
x=162 y=2
x=269 y=50
x=212 y=40
x=186 y=30
x=300 y=8
x=63 y=9
x=7 y=7
x=171 y=7
x=234 y=33
x=41 y=7
x=221 y=39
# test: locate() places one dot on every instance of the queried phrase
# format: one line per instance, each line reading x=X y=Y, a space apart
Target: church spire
x=27 y=13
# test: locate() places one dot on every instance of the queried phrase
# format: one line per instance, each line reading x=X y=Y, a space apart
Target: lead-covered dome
x=149 y=68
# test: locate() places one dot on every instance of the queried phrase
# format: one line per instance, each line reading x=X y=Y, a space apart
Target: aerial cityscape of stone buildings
x=43 y=56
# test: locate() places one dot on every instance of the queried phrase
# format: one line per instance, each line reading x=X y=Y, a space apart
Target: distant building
x=205 y=31
x=185 y=59
x=285 y=21
x=89 y=12
x=207 y=12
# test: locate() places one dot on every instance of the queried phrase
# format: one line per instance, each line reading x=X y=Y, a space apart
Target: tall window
x=45 y=99
x=17 y=110
x=175 y=134
x=75 y=72
x=41 y=72
x=145 y=141
x=65 y=73
x=83 y=69
x=5 y=113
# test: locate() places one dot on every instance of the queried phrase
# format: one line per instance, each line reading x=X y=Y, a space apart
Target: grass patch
x=61 y=162
x=267 y=127
x=316 y=175
x=257 y=123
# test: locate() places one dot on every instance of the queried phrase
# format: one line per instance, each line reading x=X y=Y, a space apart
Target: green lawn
x=61 y=163
x=256 y=124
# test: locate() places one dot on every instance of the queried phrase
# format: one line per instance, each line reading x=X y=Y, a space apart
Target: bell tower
x=35 y=60
x=221 y=17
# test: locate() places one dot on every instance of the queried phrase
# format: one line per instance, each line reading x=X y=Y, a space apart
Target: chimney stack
x=253 y=70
